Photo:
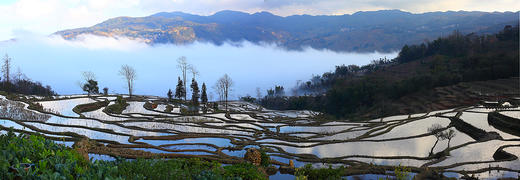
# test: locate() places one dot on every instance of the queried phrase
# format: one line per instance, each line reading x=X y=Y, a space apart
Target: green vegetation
x=264 y=157
x=91 y=87
x=190 y=110
x=402 y=172
x=195 y=93
x=33 y=157
x=170 y=95
x=26 y=87
x=105 y=91
x=180 y=91
x=204 y=98
x=308 y=172
x=350 y=91
x=90 y=106
x=20 y=84
x=118 y=107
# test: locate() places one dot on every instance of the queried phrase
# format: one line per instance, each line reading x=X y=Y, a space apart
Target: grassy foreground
x=34 y=157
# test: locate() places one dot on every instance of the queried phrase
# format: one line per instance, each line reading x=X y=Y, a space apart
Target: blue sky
x=48 y=16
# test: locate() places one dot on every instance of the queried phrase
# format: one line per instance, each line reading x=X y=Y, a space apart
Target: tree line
x=223 y=86
x=19 y=83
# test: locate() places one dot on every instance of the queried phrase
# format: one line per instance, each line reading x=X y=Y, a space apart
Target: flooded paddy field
x=474 y=148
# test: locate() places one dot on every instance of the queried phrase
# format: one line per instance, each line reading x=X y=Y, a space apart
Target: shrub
x=150 y=106
x=90 y=106
x=402 y=172
x=33 y=156
x=118 y=107
x=265 y=159
x=244 y=170
x=307 y=172
x=191 y=111
x=169 y=108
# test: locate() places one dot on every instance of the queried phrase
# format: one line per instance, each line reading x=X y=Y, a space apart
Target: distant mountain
x=385 y=30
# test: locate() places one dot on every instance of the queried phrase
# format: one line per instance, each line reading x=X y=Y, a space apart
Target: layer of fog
x=59 y=63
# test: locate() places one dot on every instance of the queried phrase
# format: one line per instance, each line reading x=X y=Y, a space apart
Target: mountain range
x=365 y=31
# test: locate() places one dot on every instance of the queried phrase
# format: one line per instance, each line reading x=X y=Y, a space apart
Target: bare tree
x=436 y=130
x=441 y=134
x=223 y=87
x=258 y=93
x=6 y=67
x=193 y=71
x=88 y=75
x=183 y=65
x=218 y=88
x=449 y=134
x=19 y=75
x=210 y=96
x=130 y=75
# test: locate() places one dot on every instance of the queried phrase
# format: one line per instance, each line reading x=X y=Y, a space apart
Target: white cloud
x=94 y=42
x=48 y=16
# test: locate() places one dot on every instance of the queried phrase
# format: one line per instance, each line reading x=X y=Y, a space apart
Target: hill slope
x=385 y=30
x=451 y=71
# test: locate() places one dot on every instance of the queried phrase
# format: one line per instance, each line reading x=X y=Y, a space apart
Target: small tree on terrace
x=204 y=95
x=223 y=87
x=449 y=134
x=6 y=68
x=441 y=134
x=279 y=91
x=179 y=90
x=105 y=91
x=129 y=74
x=436 y=130
x=258 y=93
x=170 y=95
x=183 y=65
x=195 y=93
x=90 y=85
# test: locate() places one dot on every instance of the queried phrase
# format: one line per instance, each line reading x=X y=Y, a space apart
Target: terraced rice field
x=285 y=135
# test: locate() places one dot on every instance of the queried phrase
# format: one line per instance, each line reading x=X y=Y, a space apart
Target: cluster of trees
x=320 y=84
x=180 y=90
x=19 y=83
x=222 y=86
x=445 y=61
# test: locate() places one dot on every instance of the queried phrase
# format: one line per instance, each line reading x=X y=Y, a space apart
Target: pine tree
x=195 y=93
x=179 y=90
x=170 y=95
x=204 y=95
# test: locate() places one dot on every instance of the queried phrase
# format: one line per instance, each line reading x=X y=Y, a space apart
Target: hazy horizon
x=59 y=63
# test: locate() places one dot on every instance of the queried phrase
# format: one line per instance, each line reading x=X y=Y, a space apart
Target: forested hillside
x=378 y=89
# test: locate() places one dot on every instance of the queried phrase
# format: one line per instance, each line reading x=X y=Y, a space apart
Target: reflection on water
x=393 y=141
